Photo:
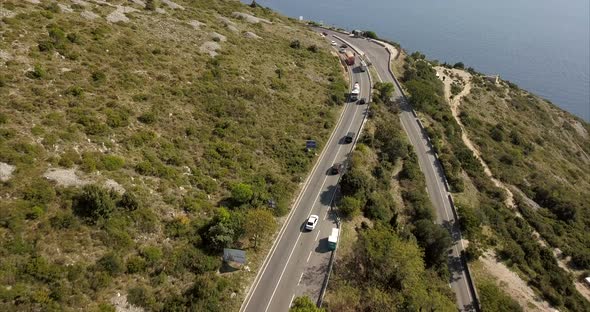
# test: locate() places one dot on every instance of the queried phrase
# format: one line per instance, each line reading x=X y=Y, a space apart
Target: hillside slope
x=518 y=169
x=136 y=140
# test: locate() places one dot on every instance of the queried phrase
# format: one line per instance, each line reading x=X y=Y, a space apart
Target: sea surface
x=541 y=45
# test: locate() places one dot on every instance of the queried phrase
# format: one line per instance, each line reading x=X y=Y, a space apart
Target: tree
x=304 y=304
x=94 y=203
x=385 y=91
x=371 y=34
x=379 y=206
x=220 y=236
x=242 y=193
x=295 y=44
x=259 y=223
x=350 y=206
x=459 y=65
x=435 y=241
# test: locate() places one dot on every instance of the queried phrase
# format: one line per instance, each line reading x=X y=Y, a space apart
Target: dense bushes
x=387 y=271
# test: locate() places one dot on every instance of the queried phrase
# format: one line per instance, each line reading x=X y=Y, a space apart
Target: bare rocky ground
x=64 y=177
x=121 y=304
x=6 y=171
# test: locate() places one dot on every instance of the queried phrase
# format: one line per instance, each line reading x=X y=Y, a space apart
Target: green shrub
x=241 y=193
x=141 y=297
x=75 y=91
x=147 y=118
x=94 y=203
x=295 y=44
x=111 y=263
x=129 y=201
x=99 y=280
x=73 y=37
x=40 y=192
x=117 y=118
x=135 y=265
x=151 y=254
x=350 y=206
x=98 y=76
x=112 y=162
x=494 y=299
x=63 y=220
x=152 y=5
x=37 y=73
x=35 y=213
x=370 y=34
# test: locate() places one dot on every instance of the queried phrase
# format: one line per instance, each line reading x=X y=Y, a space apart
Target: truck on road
x=363 y=66
x=349 y=57
x=355 y=93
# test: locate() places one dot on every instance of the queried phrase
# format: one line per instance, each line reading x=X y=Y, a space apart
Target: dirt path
x=512 y=284
x=454 y=103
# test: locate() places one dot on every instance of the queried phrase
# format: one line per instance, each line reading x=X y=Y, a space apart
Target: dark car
x=336 y=169
x=362 y=101
x=349 y=137
x=325 y=33
x=344 y=46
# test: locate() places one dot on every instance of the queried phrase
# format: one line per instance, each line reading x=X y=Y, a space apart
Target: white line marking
x=318 y=235
x=291 y=302
x=326 y=215
x=444 y=199
x=310 y=210
x=300 y=277
x=309 y=256
x=252 y=290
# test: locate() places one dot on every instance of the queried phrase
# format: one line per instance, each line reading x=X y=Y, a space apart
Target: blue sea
x=541 y=45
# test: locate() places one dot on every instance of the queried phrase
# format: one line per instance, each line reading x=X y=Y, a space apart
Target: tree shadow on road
x=327 y=195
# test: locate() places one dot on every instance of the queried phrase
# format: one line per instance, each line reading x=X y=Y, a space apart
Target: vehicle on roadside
x=334 y=43
x=336 y=168
x=344 y=46
x=342 y=50
x=333 y=239
x=349 y=137
x=362 y=101
x=312 y=221
x=324 y=33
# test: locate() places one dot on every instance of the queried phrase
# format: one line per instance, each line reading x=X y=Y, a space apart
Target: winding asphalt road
x=432 y=169
x=298 y=261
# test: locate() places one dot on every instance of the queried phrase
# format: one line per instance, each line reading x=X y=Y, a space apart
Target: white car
x=311 y=222
x=334 y=43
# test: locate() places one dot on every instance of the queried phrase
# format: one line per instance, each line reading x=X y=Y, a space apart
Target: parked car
x=344 y=46
x=349 y=137
x=362 y=101
x=337 y=168
x=324 y=33
x=312 y=221
x=342 y=50
x=334 y=43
